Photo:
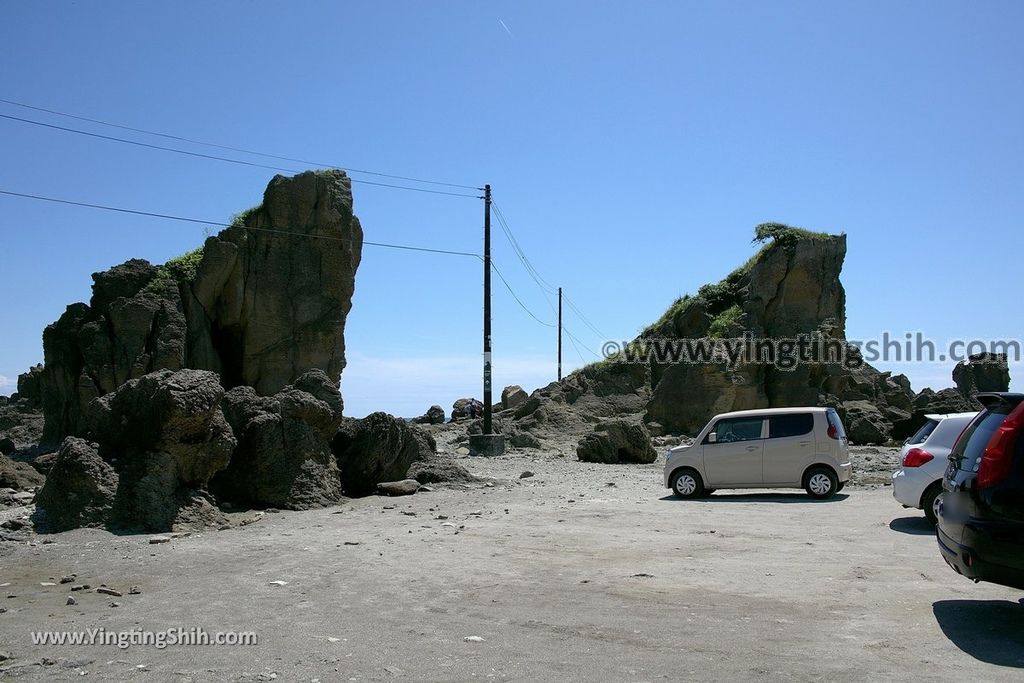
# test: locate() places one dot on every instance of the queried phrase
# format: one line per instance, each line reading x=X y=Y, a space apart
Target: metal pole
x=487 y=309
x=559 y=334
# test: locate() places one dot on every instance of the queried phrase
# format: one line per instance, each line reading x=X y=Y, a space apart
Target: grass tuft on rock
x=178 y=270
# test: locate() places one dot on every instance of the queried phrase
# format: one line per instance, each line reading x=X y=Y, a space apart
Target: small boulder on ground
x=437 y=470
x=616 y=441
x=405 y=487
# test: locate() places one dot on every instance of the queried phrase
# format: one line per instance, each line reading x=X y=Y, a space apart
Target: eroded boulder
x=376 y=449
x=19 y=476
x=283 y=458
x=80 y=490
x=616 y=441
x=513 y=396
x=164 y=436
x=433 y=416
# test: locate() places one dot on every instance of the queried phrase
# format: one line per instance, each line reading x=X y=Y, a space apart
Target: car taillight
x=833 y=433
x=997 y=460
x=916 y=457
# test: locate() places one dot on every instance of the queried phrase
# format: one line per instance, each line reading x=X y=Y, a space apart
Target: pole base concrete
x=486 y=444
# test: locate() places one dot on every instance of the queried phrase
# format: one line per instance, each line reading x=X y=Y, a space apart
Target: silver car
x=772 y=448
x=923 y=461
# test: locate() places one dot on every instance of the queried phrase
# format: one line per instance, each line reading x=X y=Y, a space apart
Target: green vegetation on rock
x=181 y=269
x=721 y=323
x=240 y=219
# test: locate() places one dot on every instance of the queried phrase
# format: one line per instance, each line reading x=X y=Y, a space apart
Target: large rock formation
x=790 y=288
x=163 y=435
x=283 y=458
x=259 y=304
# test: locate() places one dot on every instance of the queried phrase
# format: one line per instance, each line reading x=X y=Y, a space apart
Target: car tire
x=820 y=483
x=686 y=483
x=930 y=502
x=841 y=486
x=708 y=492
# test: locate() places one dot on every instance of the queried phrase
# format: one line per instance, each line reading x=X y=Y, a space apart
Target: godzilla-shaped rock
x=283 y=458
x=376 y=449
x=261 y=303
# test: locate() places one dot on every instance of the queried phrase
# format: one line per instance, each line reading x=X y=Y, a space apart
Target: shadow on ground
x=720 y=497
x=916 y=526
x=989 y=630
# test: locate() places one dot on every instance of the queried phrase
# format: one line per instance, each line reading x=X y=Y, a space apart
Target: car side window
x=798 y=424
x=738 y=429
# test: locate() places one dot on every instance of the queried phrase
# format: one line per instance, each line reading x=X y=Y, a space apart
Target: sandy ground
x=581 y=572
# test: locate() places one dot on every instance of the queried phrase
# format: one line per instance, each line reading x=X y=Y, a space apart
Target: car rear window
x=833 y=420
x=924 y=432
x=780 y=426
x=971 y=445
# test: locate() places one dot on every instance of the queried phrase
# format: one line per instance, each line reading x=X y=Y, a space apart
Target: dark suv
x=981 y=518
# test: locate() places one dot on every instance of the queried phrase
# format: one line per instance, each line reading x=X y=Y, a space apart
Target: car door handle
x=805 y=443
x=752 y=448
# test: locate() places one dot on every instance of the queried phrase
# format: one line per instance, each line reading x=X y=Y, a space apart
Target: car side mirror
x=713 y=437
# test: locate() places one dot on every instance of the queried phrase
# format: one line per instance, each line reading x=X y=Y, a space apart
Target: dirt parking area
x=579 y=572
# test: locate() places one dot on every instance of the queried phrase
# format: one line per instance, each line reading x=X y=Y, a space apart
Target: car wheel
x=821 y=482
x=687 y=483
x=930 y=502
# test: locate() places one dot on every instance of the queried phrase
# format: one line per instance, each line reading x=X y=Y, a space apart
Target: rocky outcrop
x=982 y=372
x=513 y=396
x=283 y=458
x=18 y=475
x=376 y=449
x=30 y=387
x=164 y=436
x=616 y=441
x=80 y=489
x=791 y=287
x=464 y=408
x=259 y=304
x=433 y=416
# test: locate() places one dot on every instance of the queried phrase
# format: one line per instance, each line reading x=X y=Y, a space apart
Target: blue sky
x=632 y=147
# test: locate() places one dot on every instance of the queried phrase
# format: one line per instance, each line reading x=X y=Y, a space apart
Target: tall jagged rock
x=260 y=304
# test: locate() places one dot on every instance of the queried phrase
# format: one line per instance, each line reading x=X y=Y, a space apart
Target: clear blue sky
x=632 y=147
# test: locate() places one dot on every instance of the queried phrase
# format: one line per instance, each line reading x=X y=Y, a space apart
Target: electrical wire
x=233 y=149
x=582 y=317
x=221 y=224
x=516 y=297
x=214 y=157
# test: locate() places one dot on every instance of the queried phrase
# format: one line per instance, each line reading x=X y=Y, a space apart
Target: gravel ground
x=579 y=572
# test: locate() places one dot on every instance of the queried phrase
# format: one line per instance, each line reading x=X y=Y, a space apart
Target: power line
x=582 y=317
x=221 y=224
x=219 y=158
x=232 y=149
x=516 y=297
x=573 y=336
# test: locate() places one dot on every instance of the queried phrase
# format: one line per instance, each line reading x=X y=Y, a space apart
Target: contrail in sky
x=504 y=26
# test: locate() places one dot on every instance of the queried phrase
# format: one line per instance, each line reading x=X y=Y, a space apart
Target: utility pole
x=487 y=443
x=487 y=310
x=559 y=334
